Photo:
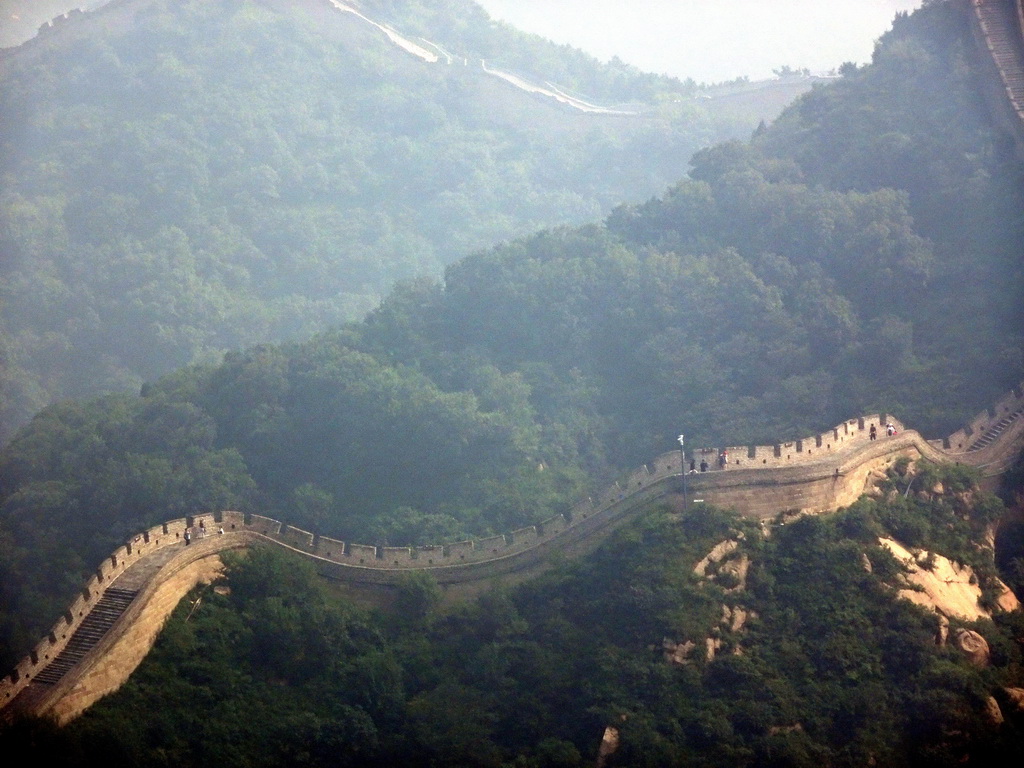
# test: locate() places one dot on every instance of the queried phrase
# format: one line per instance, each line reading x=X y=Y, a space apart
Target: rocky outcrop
x=677 y=653
x=939 y=584
x=609 y=745
x=993 y=713
x=973 y=646
x=1015 y=696
x=725 y=566
x=716 y=555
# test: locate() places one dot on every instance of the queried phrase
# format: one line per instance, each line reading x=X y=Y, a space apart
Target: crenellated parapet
x=812 y=448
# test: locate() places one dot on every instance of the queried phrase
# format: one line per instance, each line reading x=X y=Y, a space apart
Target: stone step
x=992 y=433
x=101 y=618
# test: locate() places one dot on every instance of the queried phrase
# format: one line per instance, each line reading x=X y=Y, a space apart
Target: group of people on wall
x=723 y=455
x=723 y=459
x=890 y=430
x=197 y=531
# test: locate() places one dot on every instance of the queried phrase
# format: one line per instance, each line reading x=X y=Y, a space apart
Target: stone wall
x=819 y=473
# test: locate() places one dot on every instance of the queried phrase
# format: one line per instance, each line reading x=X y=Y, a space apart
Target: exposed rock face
x=992 y=711
x=974 y=646
x=609 y=746
x=712 y=644
x=734 y=618
x=945 y=586
x=1016 y=697
x=735 y=571
x=725 y=565
x=943 y=633
x=677 y=653
x=717 y=554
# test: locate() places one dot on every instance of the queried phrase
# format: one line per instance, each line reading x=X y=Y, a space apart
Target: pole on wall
x=682 y=465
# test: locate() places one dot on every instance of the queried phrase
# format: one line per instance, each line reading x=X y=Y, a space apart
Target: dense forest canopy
x=182 y=178
x=807 y=276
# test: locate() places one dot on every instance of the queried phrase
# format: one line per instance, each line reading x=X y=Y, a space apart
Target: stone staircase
x=101 y=618
x=992 y=433
x=999 y=20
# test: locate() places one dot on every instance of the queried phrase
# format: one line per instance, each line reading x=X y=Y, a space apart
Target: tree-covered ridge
x=179 y=179
x=814 y=660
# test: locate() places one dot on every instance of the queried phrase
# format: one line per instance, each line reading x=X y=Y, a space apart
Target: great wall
x=108 y=629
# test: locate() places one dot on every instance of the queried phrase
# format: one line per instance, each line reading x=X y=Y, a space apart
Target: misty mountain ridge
x=209 y=176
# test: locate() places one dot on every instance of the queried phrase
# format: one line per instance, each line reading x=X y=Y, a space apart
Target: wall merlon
x=177 y=528
x=43 y=652
x=524 y=537
x=459 y=550
x=204 y=520
x=431 y=554
x=363 y=554
x=980 y=423
x=265 y=525
x=553 y=525
x=298 y=538
x=610 y=496
x=1009 y=403
x=492 y=545
x=77 y=608
x=736 y=454
x=666 y=465
x=958 y=441
x=332 y=549
x=638 y=478
x=92 y=589
x=581 y=511
x=26 y=669
x=392 y=556
x=232 y=520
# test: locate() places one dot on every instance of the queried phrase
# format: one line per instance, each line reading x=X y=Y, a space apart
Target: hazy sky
x=711 y=40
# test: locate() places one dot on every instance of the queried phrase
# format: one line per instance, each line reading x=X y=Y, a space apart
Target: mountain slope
x=185 y=178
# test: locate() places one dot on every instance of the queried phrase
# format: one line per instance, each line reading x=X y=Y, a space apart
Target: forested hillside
x=793 y=651
x=183 y=178
x=763 y=297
